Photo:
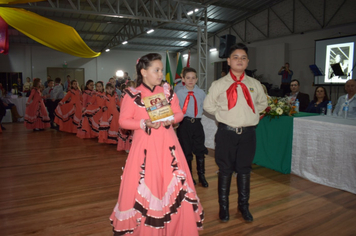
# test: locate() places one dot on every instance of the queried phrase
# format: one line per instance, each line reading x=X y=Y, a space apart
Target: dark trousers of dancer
x=192 y=138
x=234 y=152
x=51 y=107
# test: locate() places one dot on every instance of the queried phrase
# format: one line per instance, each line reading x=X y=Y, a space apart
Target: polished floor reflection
x=53 y=183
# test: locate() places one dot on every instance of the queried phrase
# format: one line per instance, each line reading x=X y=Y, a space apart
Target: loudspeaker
x=226 y=42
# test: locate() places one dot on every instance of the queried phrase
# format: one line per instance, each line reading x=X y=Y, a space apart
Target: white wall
x=33 y=61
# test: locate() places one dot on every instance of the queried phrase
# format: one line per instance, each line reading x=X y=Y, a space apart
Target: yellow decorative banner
x=50 y=33
x=18 y=1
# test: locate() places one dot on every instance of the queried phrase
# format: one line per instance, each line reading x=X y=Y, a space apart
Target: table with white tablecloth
x=20 y=104
x=324 y=151
x=210 y=127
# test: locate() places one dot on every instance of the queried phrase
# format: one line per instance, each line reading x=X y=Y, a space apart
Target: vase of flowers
x=279 y=106
x=14 y=89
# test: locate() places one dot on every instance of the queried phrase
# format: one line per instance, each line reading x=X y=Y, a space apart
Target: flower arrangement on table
x=278 y=106
x=14 y=89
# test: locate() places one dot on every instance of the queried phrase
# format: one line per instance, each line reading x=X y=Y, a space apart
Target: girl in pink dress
x=88 y=93
x=36 y=116
x=109 y=125
x=124 y=140
x=157 y=194
x=93 y=113
x=69 y=110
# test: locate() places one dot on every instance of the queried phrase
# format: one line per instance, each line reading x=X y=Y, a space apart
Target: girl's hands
x=149 y=124
x=158 y=124
x=167 y=122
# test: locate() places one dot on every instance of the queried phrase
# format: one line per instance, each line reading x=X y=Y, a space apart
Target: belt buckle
x=239 y=130
x=192 y=120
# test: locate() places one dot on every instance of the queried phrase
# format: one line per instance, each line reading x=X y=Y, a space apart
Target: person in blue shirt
x=320 y=101
x=190 y=131
x=350 y=98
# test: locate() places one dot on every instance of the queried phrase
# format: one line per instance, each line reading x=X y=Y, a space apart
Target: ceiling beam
x=155 y=45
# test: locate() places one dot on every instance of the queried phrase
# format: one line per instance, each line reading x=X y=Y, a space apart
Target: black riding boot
x=224 y=182
x=201 y=171
x=191 y=172
x=243 y=189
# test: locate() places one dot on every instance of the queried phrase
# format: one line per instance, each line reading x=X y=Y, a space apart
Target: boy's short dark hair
x=187 y=70
x=238 y=46
x=50 y=80
x=295 y=81
x=57 y=80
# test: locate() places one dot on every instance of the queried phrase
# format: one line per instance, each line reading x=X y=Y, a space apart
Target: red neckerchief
x=231 y=93
x=186 y=102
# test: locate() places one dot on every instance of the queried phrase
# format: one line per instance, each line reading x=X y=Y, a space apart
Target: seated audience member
x=350 y=97
x=320 y=101
x=4 y=99
x=19 y=85
x=28 y=85
x=303 y=98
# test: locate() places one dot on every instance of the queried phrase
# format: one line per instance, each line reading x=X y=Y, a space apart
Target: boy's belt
x=191 y=119
x=237 y=130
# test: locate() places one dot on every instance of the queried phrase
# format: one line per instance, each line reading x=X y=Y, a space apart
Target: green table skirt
x=274 y=142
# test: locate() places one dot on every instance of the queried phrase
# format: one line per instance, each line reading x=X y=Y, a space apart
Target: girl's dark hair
x=36 y=82
x=100 y=82
x=72 y=82
x=87 y=83
x=143 y=63
x=326 y=98
x=109 y=85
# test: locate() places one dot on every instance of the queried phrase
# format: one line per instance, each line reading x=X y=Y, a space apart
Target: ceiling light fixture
x=196 y=9
x=213 y=50
x=107 y=50
x=185 y=55
x=185 y=36
x=189 y=13
x=125 y=42
x=150 y=31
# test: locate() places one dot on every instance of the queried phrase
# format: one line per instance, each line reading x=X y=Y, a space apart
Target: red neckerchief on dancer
x=186 y=102
x=231 y=93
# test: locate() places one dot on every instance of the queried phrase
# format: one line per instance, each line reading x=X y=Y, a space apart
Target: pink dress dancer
x=68 y=115
x=109 y=125
x=91 y=117
x=36 y=116
x=124 y=140
x=87 y=95
x=157 y=195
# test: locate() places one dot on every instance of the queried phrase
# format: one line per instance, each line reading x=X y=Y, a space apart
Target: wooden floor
x=53 y=183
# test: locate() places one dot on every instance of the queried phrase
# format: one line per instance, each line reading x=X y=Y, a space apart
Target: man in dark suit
x=303 y=98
